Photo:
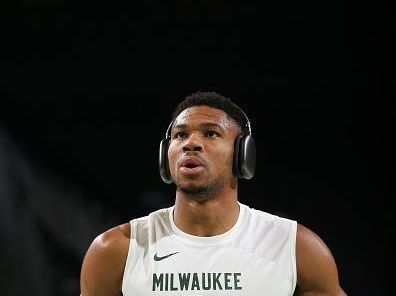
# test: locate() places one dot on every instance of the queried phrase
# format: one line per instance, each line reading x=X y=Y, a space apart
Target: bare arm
x=317 y=273
x=103 y=265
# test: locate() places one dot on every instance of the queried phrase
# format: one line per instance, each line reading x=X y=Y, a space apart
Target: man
x=209 y=243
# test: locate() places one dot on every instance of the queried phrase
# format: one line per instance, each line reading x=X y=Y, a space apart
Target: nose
x=192 y=143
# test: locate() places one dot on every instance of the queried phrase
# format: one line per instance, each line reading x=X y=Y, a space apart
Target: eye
x=179 y=135
x=212 y=134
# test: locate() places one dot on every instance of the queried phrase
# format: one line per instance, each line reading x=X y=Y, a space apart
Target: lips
x=191 y=162
x=191 y=166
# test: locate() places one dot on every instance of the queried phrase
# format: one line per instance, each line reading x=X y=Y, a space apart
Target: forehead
x=203 y=114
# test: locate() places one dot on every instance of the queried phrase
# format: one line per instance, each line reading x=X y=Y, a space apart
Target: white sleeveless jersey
x=255 y=257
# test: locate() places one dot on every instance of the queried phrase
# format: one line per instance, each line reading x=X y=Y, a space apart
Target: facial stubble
x=208 y=190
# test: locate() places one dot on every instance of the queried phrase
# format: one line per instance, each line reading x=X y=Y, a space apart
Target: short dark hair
x=214 y=100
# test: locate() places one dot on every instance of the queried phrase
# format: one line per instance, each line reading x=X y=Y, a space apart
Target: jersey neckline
x=208 y=240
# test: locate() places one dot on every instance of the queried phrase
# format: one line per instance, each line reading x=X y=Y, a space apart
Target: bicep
x=316 y=268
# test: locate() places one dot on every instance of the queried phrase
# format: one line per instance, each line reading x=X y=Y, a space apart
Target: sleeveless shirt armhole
x=128 y=259
x=293 y=238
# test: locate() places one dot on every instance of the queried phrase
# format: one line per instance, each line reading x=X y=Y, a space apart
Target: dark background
x=87 y=94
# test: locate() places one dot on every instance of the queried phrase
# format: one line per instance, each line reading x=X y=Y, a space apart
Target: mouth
x=191 y=166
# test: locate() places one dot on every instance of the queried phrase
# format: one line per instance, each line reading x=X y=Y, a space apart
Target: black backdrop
x=87 y=92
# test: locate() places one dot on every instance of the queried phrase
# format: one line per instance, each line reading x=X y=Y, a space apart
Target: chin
x=193 y=190
x=197 y=190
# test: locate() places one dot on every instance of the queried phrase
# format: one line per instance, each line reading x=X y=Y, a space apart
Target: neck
x=206 y=217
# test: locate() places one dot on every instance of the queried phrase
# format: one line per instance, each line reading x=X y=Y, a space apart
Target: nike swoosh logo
x=156 y=258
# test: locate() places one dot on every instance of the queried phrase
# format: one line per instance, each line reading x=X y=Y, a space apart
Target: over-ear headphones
x=244 y=159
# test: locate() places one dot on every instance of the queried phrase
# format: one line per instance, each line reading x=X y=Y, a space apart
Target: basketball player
x=209 y=243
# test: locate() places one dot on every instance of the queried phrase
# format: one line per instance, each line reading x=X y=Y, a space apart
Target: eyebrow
x=204 y=125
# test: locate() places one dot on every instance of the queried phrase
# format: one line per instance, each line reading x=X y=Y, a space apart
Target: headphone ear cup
x=247 y=157
x=163 y=161
x=244 y=162
x=235 y=163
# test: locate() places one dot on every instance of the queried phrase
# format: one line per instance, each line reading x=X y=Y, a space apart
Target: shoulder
x=316 y=268
x=114 y=241
x=104 y=262
x=116 y=234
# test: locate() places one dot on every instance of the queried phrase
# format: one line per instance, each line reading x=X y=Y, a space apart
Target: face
x=201 y=150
